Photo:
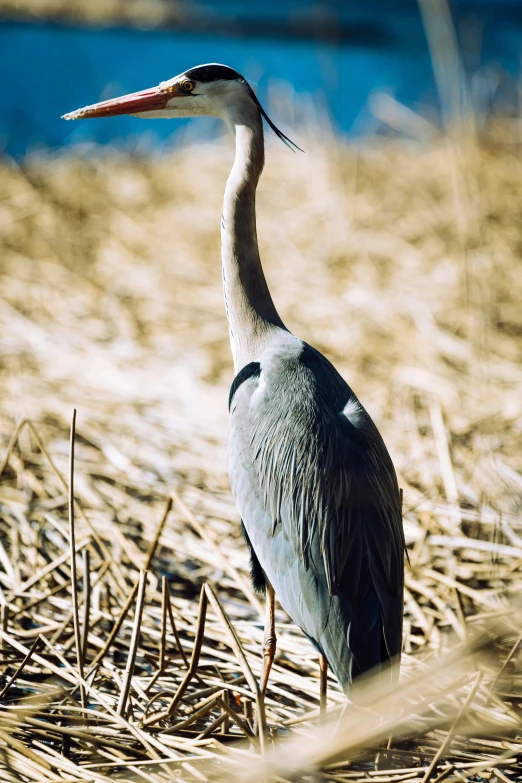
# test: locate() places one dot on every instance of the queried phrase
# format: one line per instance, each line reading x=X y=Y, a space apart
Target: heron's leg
x=323 y=669
x=269 y=642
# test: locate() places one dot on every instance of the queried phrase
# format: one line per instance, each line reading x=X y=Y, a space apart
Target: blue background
x=50 y=68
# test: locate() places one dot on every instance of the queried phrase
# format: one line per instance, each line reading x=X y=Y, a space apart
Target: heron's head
x=207 y=90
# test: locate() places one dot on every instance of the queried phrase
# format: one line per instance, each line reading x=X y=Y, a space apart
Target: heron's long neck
x=251 y=313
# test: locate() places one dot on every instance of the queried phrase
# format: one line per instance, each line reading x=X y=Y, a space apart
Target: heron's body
x=318 y=496
x=311 y=476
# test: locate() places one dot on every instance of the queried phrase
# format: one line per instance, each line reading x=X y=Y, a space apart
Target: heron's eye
x=187 y=86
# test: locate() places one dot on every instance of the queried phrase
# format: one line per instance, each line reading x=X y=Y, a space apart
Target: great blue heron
x=311 y=476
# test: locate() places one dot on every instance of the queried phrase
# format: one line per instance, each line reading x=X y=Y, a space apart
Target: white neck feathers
x=251 y=313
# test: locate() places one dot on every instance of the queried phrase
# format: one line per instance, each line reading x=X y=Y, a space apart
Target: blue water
x=49 y=69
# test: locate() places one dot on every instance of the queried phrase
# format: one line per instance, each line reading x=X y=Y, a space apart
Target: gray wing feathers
x=323 y=510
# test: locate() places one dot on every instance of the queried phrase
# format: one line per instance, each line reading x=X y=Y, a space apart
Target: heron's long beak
x=134 y=103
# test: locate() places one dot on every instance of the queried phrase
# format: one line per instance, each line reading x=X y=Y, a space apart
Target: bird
x=312 y=479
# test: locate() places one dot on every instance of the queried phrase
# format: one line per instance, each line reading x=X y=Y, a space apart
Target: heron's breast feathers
x=305 y=484
x=321 y=468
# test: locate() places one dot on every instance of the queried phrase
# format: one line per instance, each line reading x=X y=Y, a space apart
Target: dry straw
x=111 y=298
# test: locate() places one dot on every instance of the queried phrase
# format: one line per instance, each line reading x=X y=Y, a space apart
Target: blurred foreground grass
x=402 y=265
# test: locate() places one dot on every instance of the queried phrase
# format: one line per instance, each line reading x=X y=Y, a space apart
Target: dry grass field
x=402 y=264
x=142 y=13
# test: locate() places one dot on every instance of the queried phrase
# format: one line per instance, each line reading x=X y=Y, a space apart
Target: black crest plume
x=214 y=72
